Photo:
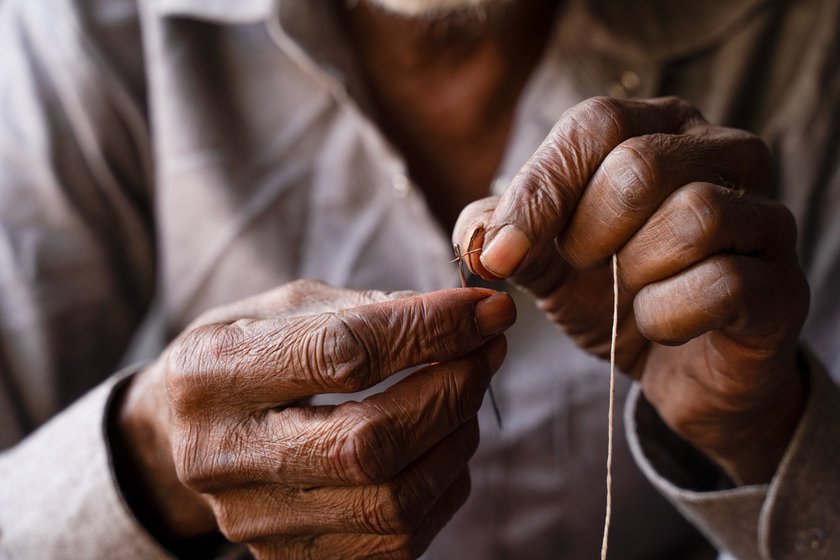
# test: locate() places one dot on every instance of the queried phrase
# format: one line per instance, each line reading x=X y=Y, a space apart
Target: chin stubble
x=434 y=9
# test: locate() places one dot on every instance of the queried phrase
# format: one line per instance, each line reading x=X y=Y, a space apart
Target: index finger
x=354 y=443
x=271 y=362
x=542 y=197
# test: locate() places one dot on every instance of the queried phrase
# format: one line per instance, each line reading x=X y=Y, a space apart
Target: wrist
x=758 y=439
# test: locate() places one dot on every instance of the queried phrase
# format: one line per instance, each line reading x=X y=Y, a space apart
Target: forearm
x=749 y=444
x=794 y=512
x=58 y=496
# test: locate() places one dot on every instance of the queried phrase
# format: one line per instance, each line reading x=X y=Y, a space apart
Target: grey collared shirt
x=162 y=157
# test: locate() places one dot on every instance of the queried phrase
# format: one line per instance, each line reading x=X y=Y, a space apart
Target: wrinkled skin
x=223 y=437
x=712 y=296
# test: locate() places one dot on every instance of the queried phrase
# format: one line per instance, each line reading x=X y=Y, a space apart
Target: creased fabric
x=162 y=157
x=793 y=516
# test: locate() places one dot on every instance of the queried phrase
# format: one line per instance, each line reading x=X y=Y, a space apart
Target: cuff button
x=808 y=540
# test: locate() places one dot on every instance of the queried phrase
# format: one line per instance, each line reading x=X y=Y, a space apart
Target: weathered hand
x=224 y=408
x=712 y=296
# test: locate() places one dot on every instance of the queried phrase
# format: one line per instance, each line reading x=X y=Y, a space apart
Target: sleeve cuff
x=794 y=516
x=59 y=497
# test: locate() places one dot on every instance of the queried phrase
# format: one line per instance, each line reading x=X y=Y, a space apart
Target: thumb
x=542 y=197
x=469 y=230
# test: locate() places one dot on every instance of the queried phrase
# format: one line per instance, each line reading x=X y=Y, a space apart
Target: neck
x=444 y=90
x=417 y=44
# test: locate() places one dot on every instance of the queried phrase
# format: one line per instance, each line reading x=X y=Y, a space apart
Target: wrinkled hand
x=224 y=409
x=712 y=296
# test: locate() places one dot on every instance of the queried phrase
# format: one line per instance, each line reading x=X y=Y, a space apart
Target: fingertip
x=495 y=314
x=506 y=251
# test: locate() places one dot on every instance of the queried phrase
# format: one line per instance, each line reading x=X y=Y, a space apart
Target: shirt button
x=401 y=186
x=809 y=539
x=627 y=85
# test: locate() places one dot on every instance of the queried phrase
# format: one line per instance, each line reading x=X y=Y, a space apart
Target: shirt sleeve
x=794 y=516
x=58 y=497
x=77 y=272
x=77 y=256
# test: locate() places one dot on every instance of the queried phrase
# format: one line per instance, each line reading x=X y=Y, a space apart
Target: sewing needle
x=459 y=259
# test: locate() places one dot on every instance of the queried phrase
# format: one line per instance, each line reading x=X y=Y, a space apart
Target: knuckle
x=757 y=152
x=178 y=363
x=753 y=156
x=212 y=456
x=180 y=357
x=697 y=220
x=688 y=114
x=395 y=512
x=634 y=169
x=345 y=355
x=549 y=183
x=731 y=279
x=598 y=122
x=606 y=116
x=728 y=289
x=652 y=317
x=195 y=469
x=179 y=368
x=222 y=344
x=297 y=296
x=191 y=467
x=360 y=455
x=194 y=363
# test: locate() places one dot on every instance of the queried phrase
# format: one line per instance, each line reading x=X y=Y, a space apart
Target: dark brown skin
x=216 y=433
x=218 y=430
x=220 y=423
x=712 y=295
x=445 y=92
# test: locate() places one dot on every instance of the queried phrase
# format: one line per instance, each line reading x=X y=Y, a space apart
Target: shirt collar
x=217 y=11
x=658 y=28
x=661 y=30
x=305 y=29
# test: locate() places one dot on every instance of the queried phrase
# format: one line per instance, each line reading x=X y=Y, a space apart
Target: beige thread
x=611 y=421
x=611 y=415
